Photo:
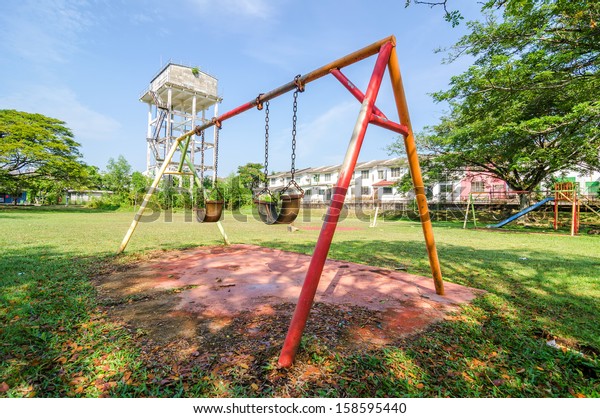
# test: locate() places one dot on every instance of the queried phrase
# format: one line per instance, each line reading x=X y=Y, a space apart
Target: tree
x=528 y=106
x=452 y=16
x=139 y=187
x=93 y=179
x=35 y=148
x=251 y=175
x=118 y=176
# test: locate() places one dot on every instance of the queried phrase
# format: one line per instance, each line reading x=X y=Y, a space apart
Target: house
x=9 y=199
x=588 y=183
x=77 y=197
x=371 y=181
x=480 y=185
x=484 y=187
x=376 y=182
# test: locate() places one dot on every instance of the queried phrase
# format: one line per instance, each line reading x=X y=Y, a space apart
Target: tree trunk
x=524 y=200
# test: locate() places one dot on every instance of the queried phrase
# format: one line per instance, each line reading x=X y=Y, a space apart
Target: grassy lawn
x=57 y=340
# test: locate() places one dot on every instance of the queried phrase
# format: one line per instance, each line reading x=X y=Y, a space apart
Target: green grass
x=57 y=340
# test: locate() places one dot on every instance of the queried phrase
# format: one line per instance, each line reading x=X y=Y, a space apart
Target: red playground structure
x=387 y=58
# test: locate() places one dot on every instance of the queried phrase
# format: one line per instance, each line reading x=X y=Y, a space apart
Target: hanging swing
x=213 y=199
x=284 y=208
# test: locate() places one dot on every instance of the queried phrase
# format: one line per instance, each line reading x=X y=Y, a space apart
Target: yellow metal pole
x=574 y=214
x=200 y=185
x=467 y=212
x=415 y=170
x=140 y=212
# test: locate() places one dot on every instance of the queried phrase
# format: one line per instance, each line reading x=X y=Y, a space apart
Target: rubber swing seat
x=270 y=214
x=212 y=212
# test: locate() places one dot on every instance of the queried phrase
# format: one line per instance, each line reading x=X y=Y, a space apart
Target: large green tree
x=528 y=107
x=118 y=176
x=34 y=149
x=251 y=175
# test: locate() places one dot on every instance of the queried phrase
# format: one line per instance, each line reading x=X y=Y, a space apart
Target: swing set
x=283 y=209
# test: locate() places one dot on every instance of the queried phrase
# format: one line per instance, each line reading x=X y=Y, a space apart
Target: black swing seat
x=211 y=212
x=270 y=212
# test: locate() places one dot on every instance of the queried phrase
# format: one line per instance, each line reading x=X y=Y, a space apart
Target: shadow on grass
x=55 y=342
x=497 y=346
x=560 y=295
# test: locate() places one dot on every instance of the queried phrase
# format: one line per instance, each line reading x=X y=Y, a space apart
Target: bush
x=104 y=203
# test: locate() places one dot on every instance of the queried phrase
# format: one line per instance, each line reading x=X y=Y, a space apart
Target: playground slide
x=523 y=212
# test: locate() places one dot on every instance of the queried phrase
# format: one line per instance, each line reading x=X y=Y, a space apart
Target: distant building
x=376 y=182
x=76 y=197
x=8 y=199
x=371 y=181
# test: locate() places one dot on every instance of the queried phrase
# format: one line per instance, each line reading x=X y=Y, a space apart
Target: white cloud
x=254 y=9
x=43 y=32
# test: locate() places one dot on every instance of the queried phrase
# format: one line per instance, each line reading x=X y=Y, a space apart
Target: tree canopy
x=35 y=147
x=528 y=107
x=251 y=175
x=118 y=175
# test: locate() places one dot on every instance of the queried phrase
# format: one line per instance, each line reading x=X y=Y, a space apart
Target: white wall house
x=84 y=196
x=589 y=183
x=372 y=180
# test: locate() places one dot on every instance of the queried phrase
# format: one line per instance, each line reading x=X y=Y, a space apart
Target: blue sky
x=87 y=62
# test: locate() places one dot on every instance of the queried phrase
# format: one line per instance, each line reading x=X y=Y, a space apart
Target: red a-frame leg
x=313 y=275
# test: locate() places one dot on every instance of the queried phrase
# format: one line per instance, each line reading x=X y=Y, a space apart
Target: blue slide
x=523 y=212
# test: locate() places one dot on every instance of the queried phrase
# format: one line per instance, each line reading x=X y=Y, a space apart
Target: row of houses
x=70 y=197
x=376 y=181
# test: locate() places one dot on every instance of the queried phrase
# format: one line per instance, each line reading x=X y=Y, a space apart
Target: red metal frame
x=369 y=113
x=377 y=118
x=313 y=275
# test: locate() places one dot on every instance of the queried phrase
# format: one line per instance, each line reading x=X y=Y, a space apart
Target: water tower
x=178 y=99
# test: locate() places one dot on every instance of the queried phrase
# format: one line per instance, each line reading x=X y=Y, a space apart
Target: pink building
x=483 y=186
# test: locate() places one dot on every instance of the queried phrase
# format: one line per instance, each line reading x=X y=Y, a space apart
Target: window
x=317 y=178
x=592 y=187
x=447 y=188
x=307 y=192
x=328 y=177
x=396 y=172
x=380 y=175
x=273 y=181
x=321 y=192
x=387 y=190
x=477 y=186
x=288 y=179
x=364 y=174
x=364 y=190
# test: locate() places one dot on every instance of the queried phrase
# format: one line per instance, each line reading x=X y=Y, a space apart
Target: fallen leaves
x=4 y=387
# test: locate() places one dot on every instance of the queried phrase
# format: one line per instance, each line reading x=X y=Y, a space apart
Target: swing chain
x=299 y=88
x=218 y=128
x=202 y=159
x=266 y=143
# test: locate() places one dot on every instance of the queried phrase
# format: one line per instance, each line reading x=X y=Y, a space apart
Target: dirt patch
x=211 y=304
